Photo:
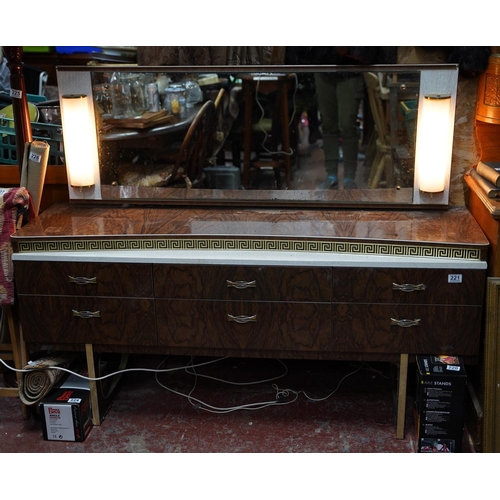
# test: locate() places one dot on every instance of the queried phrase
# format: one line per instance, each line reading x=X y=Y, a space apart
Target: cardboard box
x=440 y=403
x=66 y=410
x=223 y=177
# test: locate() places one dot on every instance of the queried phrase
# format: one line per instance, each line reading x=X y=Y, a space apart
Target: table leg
x=401 y=409
x=94 y=399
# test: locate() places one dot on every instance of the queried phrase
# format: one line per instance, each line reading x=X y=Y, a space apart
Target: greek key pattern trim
x=344 y=247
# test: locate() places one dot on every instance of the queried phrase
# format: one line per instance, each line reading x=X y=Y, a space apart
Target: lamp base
x=82 y=188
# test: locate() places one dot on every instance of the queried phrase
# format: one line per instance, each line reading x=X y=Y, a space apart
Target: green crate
x=409 y=110
x=50 y=133
x=38 y=49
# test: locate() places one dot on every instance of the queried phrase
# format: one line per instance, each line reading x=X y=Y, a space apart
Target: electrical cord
x=266 y=135
x=255 y=382
x=284 y=393
x=202 y=405
x=280 y=398
x=118 y=372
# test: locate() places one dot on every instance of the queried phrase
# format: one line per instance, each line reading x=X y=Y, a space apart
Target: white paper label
x=59 y=422
x=34 y=157
x=17 y=94
x=454 y=278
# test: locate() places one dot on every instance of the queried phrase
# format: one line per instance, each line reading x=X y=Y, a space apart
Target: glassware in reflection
x=121 y=95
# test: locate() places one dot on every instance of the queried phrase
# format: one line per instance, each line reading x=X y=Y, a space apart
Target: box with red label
x=440 y=401
x=66 y=414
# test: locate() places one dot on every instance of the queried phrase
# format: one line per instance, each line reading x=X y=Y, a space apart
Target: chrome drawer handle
x=86 y=314
x=242 y=319
x=80 y=280
x=405 y=323
x=408 y=287
x=241 y=285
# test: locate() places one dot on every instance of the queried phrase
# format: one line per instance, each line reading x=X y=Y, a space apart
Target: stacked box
x=66 y=410
x=440 y=401
x=66 y=415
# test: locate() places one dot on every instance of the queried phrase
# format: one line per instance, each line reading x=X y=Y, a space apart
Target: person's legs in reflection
x=339 y=98
x=349 y=95
x=328 y=107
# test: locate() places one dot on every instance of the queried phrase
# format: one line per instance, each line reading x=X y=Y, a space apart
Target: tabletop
x=156 y=232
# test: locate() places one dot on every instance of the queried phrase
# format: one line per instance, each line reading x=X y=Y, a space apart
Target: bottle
x=175 y=100
x=121 y=96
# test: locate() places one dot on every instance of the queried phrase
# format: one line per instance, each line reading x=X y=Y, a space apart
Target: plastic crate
x=409 y=110
x=52 y=134
x=38 y=49
x=78 y=49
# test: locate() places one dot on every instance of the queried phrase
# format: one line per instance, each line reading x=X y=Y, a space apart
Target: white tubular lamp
x=80 y=142
x=434 y=138
x=434 y=143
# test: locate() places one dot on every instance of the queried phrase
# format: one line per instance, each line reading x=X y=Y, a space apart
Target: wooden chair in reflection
x=217 y=136
x=183 y=167
x=275 y=125
x=382 y=166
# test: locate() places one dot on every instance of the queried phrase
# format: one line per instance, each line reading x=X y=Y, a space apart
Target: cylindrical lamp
x=488 y=92
x=80 y=144
x=434 y=143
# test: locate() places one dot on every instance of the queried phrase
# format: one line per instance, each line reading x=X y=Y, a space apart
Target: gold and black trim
x=342 y=247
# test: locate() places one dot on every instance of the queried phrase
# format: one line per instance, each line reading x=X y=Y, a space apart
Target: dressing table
x=284 y=274
x=374 y=286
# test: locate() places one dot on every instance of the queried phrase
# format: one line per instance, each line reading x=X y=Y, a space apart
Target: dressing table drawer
x=243 y=283
x=413 y=329
x=409 y=286
x=84 y=320
x=85 y=279
x=244 y=325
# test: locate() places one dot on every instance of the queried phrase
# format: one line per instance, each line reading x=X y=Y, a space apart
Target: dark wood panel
x=278 y=326
x=113 y=280
x=269 y=283
x=122 y=321
x=376 y=285
x=442 y=329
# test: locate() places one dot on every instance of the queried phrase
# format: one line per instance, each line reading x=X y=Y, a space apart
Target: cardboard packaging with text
x=441 y=388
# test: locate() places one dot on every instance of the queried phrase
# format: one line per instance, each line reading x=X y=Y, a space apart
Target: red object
x=14 y=202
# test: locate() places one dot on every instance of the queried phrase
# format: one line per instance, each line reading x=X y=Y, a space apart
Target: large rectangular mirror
x=336 y=136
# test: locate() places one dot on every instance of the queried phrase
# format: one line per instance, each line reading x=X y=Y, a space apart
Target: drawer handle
x=80 y=280
x=87 y=314
x=242 y=319
x=408 y=287
x=405 y=323
x=241 y=285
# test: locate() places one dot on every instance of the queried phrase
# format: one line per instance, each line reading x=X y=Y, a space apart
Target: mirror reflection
x=281 y=134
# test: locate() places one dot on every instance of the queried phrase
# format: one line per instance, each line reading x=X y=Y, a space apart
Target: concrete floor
x=354 y=412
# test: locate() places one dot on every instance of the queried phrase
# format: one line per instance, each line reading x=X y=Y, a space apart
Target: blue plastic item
x=35 y=98
x=77 y=50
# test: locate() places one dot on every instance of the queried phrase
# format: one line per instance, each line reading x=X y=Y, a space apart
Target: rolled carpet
x=39 y=378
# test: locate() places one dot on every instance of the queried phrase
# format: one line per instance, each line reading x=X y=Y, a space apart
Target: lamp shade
x=80 y=146
x=488 y=92
x=434 y=143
